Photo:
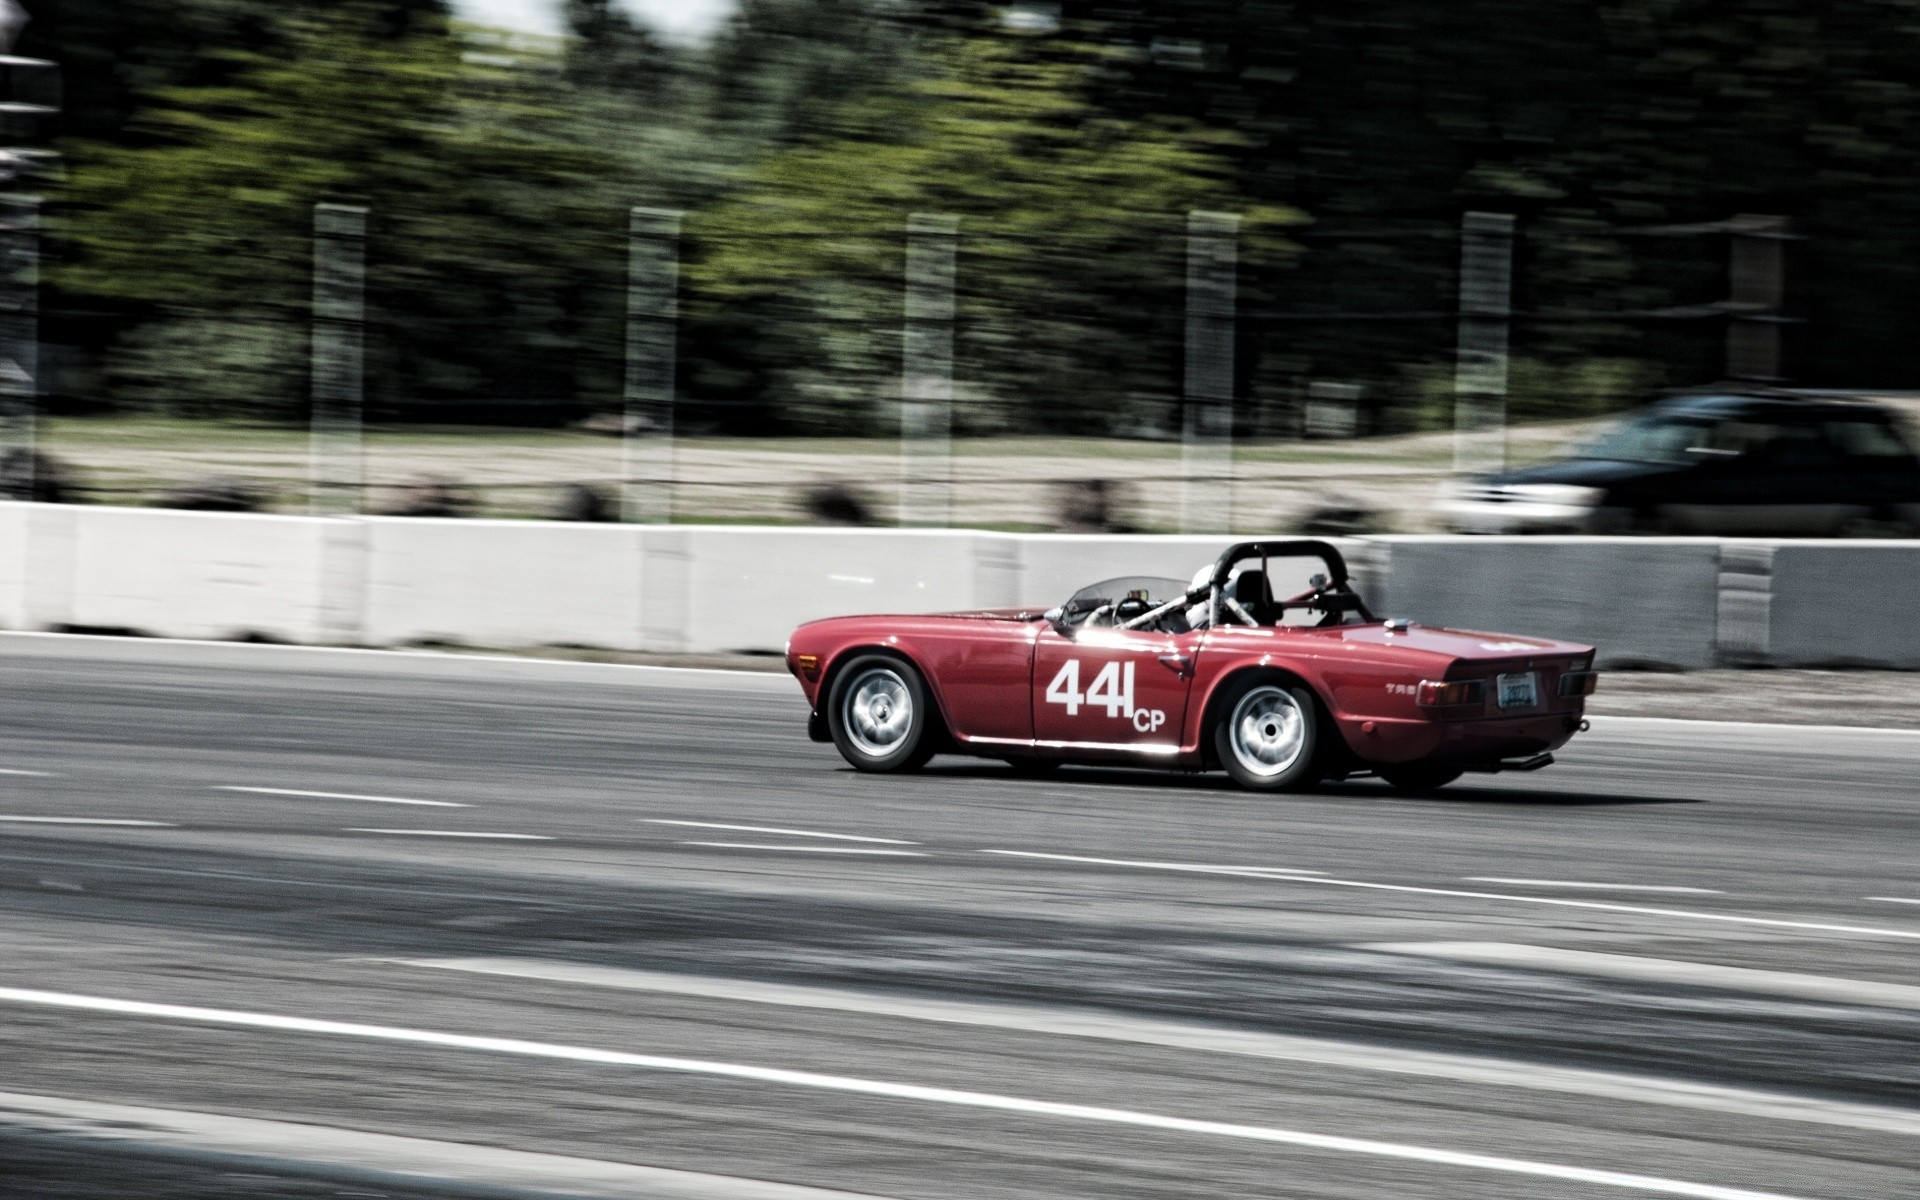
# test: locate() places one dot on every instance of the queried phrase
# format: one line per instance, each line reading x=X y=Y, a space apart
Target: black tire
x=1266 y=733
x=865 y=717
x=1415 y=779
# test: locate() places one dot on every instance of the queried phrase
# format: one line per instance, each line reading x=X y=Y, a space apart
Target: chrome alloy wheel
x=878 y=711
x=1268 y=731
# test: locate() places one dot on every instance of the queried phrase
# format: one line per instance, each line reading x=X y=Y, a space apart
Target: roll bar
x=1296 y=548
x=1334 y=591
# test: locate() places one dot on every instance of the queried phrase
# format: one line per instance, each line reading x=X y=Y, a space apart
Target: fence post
x=1480 y=364
x=653 y=334
x=339 y=356
x=926 y=372
x=19 y=342
x=1756 y=288
x=1206 y=427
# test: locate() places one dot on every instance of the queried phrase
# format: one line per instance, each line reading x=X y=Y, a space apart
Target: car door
x=1745 y=482
x=1111 y=692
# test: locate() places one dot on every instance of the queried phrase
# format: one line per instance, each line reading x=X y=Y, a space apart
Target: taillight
x=1579 y=683
x=1436 y=694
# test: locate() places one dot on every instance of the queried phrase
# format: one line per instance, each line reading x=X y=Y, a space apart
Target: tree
x=481 y=201
x=1072 y=227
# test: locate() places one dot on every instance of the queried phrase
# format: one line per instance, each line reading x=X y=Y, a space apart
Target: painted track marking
x=809 y=849
x=1198 y=868
x=805 y=833
x=1598 y=887
x=1215 y=1039
x=86 y=821
x=894 y=1091
x=454 y=833
x=1893 y=900
x=19 y=771
x=1282 y=875
x=1794 y=984
x=267 y=791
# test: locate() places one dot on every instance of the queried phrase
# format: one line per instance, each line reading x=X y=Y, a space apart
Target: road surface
x=286 y=923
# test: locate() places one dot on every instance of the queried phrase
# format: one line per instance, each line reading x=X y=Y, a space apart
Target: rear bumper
x=1472 y=744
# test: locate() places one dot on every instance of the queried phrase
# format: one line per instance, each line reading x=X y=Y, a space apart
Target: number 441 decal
x=1112 y=689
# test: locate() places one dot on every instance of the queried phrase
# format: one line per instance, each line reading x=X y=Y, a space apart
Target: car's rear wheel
x=880 y=715
x=1267 y=735
x=1415 y=779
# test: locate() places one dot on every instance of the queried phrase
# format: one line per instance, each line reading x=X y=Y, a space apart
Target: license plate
x=1517 y=691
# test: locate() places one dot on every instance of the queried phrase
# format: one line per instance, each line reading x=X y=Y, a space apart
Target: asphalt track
x=695 y=956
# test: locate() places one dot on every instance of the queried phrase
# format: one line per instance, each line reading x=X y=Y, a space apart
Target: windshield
x=1650 y=439
x=1155 y=590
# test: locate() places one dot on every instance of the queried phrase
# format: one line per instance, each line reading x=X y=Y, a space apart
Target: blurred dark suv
x=1724 y=463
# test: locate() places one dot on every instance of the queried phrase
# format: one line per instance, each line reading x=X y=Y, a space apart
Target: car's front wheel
x=880 y=715
x=1267 y=735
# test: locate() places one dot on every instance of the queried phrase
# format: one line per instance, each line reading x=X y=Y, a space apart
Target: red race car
x=1215 y=673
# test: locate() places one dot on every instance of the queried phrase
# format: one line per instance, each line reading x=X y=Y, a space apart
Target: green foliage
x=1072 y=235
x=480 y=193
x=802 y=139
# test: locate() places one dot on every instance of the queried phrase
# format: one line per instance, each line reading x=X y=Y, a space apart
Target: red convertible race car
x=1215 y=673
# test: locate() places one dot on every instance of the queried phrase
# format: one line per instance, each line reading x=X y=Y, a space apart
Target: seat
x=1252 y=592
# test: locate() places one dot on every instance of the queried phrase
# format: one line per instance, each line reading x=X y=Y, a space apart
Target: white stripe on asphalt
x=806 y=833
x=808 y=849
x=18 y=771
x=1106 y=1026
x=267 y=791
x=1198 y=868
x=893 y=1091
x=1792 y=984
x=1598 y=887
x=323 y=1147
x=519 y=837
x=85 y=821
x=1893 y=900
x=1284 y=875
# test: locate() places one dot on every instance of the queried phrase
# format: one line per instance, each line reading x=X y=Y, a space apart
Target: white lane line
x=521 y=837
x=360 y=1152
x=894 y=1091
x=18 y=771
x=1115 y=1027
x=1893 y=900
x=808 y=849
x=86 y=821
x=805 y=833
x=1598 y=887
x=1793 y=984
x=1199 y=868
x=267 y=791
x=1282 y=875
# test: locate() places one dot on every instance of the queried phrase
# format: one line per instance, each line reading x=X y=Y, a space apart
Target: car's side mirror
x=1056 y=618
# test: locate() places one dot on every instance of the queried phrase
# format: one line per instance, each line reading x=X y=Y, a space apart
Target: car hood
x=1581 y=472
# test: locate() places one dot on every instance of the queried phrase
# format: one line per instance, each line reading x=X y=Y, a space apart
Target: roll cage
x=1332 y=593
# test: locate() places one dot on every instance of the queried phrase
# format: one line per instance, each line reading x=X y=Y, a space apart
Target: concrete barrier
x=501 y=583
x=746 y=588
x=1640 y=601
x=1843 y=604
x=176 y=574
x=383 y=581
